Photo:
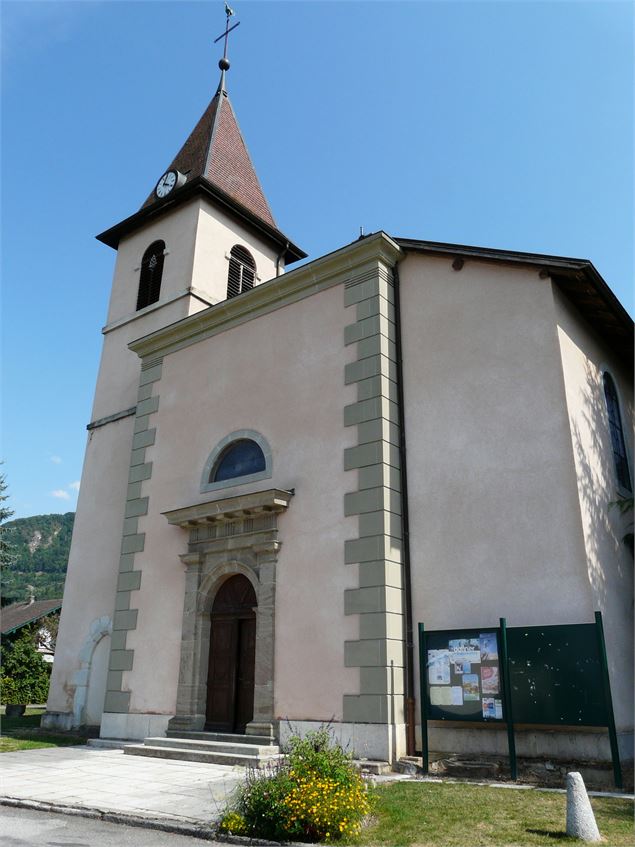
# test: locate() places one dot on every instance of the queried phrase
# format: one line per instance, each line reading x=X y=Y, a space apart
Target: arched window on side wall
x=242 y=271
x=617 y=434
x=151 y=273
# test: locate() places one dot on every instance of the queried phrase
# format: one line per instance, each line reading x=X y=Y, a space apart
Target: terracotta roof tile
x=216 y=151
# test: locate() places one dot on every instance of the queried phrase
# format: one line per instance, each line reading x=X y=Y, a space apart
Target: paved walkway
x=110 y=781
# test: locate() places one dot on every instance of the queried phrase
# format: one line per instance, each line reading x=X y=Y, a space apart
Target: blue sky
x=500 y=124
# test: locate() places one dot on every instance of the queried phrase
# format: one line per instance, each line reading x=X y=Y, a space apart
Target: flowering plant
x=315 y=794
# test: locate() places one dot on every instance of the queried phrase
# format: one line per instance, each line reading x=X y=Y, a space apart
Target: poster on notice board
x=463 y=676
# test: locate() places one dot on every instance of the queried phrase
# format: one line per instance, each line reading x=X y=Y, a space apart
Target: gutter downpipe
x=279 y=258
x=409 y=694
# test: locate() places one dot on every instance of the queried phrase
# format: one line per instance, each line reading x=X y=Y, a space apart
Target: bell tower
x=207 y=202
x=204 y=233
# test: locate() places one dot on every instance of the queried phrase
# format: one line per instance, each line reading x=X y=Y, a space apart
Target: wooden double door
x=232 y=657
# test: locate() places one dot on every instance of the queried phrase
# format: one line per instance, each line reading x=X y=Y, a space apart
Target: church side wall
x=495 y=525
x=283 y=376
x=585 y=357
x=89 y=590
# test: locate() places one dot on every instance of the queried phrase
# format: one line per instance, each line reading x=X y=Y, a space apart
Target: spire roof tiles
x=216 y=151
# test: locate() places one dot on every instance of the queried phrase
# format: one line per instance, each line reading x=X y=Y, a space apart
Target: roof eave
x=32 y=620
x=111 y=237
x=569 y=274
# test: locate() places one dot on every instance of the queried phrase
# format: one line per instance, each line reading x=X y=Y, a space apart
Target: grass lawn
x=25 y=734
x=458 y=815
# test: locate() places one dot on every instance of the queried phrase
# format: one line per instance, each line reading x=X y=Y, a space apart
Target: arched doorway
x=232 y=654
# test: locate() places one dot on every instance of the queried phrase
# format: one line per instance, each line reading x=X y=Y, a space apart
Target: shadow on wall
x=609 y=559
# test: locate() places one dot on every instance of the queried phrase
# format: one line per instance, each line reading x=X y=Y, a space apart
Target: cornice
x=153 y=307
x=272 y=500
x=201 y=186
x=344 y=266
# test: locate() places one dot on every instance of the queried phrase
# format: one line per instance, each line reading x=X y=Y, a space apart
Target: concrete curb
x=201 y=830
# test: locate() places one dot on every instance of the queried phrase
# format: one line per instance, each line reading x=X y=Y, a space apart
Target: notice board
x=555 y=675
x=463 y=675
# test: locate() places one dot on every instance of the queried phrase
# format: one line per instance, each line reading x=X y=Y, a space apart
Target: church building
x=288 y=468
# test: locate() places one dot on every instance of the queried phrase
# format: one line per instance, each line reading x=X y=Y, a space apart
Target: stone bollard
x=580 y=818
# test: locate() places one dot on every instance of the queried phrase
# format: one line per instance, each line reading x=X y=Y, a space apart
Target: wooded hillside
x=39 y=548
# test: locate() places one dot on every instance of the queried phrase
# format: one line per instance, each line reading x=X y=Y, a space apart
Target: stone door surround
x=234 y=535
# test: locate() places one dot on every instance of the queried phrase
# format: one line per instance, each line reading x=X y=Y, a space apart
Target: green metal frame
x=615 y=753
x=507 y=698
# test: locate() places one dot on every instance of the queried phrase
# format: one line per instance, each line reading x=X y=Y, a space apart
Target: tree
x=25 y=675
x=6 y=551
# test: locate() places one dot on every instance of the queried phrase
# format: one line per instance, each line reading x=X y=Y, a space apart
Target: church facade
x=287 y=470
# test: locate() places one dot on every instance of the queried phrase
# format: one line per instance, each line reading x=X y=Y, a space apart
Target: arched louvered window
x=617 y=434
x=242 y=271
x=151 y=273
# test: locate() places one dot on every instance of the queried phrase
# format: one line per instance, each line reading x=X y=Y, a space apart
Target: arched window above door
x=242 y=456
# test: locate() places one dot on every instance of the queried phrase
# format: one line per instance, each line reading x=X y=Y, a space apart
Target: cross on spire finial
x=223 y=64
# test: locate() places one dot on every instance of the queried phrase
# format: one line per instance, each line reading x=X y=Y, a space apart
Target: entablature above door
x=225 y=522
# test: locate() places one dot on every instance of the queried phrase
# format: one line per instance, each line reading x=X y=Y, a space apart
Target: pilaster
x=374 y=463
x=133 y=538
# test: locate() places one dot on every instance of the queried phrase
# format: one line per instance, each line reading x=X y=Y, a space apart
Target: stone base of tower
x=377 y=741
x=135 y=727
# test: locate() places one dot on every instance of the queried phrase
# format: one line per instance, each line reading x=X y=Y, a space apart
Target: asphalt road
x=28 y=828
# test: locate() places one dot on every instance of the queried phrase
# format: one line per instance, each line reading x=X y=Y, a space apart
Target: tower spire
x=223 y=63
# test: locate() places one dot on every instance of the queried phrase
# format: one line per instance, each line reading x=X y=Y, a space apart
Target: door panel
x=221 y=678
x=231 y=671
x=246 y=668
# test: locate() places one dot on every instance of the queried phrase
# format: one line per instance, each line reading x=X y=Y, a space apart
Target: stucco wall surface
x=216 y=235
x=198 y=238
x=89 y=590
x=118 y=377
x=494 y=513
x=178 y=230
x=585 y=357
x=283 y=376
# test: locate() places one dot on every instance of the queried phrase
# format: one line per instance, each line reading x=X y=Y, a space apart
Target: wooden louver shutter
x=242 y=271
x=151 y=273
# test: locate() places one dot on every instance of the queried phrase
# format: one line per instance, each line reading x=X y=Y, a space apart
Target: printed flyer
x=471 y=687
x=489 y=647
x=439 y=667
x=489 y=680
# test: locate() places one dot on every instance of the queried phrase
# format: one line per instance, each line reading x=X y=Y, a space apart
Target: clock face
x=166 y=184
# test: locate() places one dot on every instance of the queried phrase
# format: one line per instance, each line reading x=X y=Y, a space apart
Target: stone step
x=207 y=746
x=260 y=740
x=189 y=755
x=373 y=766
x=107 y=743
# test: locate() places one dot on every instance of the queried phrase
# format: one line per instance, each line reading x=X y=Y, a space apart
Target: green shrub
x=314 y=795
x=25 y=675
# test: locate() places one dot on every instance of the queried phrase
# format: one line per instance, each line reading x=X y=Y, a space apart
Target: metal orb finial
x=223 y=64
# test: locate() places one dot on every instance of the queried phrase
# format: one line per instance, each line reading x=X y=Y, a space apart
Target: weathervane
x=224 y=63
